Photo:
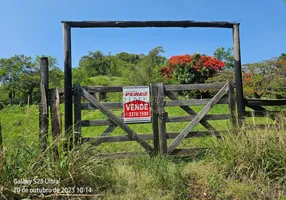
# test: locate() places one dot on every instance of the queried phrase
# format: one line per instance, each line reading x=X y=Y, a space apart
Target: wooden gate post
x=68 y=86
x=56 y=121
x=43 y=107
x=77 y=115
x=231 y=104
x=162 y=119
x=154 y=113
x=238 y=74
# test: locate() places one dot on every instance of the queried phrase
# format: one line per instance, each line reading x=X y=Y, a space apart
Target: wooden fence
x=262 y=108
x=161 y=97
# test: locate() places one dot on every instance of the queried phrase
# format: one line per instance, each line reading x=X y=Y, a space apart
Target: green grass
x=249 y=165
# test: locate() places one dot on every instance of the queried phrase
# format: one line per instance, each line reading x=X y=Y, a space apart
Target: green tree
x=95 y=63
x=265 y=78
x=225 y=55
x=20 y=74
x=148 y=69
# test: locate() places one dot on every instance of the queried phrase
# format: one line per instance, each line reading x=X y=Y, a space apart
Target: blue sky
x=33 y=27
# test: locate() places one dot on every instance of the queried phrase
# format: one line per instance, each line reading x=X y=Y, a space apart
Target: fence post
x=44 y=114
x=68 y=86
x=154 y=116
x=238 y=74
x=77 y=115
x=162 y=119
x=232 y=105
x=56 y=121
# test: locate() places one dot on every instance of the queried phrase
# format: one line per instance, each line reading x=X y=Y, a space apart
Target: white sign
x=136 y=105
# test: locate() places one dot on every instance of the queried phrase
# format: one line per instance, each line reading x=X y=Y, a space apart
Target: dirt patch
x=200 y=191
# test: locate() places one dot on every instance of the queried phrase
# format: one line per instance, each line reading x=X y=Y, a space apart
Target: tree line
x=20 y=74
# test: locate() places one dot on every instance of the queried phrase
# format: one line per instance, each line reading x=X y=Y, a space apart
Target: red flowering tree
x=188 y=69
x=196 y=68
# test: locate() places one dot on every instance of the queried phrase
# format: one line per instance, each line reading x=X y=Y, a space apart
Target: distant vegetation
x=20 y=75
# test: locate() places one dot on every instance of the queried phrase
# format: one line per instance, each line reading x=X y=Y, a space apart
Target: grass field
x=249 y=165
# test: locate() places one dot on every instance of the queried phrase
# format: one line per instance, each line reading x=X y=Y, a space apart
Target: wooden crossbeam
x=190 y=111
x=107 y=131
x=198 y=118
x=131 y=134
x=138 y=24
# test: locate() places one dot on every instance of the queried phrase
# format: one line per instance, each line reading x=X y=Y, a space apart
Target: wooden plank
x=44 y=114
x=77 y=114
x=96 y=89
x=162 y=115
x=68 y=85
x=198 y=118
x=141 y=24
x=124 y=138
x=204 y=86
x=132 y=134
x=259 y=108
x=232 y=105
x=190 y=111
x=193 y=102
x=265 y=102
x=56 y=122
x=61 y=91
x=107 y=131
x=191 y=117
x=263 y=113
x=266 y=127
x=108 y=105
x=44 y=120
x=238 y=74
x=155 y=118
x=104 y=122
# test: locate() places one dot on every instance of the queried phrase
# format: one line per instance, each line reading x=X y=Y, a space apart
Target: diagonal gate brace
x=198 y=118
x=131 y=134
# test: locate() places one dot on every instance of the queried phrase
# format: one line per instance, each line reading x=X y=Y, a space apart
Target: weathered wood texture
x=190 y=111
x=124 y=138
x=77 y=114
x=162 y=119
x=264 y=113
x=68 y=86
x=198 y=118
x=132 y=134
x=107 y=131
x=231 y=104
x=265 y=102
x=155 y=118
x=44 y=114
x=108 y=122
x=159 y=118
x=139 y=24
x=204 y=86
x=238 y=74
x=56 y=121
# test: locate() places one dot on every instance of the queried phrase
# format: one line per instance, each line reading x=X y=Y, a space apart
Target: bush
x=189 y=69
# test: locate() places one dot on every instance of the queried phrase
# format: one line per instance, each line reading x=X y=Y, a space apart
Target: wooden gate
x=161 y=91
x=160 y=118
x=113 y=121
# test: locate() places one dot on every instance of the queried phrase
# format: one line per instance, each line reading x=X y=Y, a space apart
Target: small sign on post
x=136 y=104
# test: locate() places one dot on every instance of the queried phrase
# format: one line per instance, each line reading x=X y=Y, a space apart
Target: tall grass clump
x=256 y=156
x=78 y=168
x=154 y=178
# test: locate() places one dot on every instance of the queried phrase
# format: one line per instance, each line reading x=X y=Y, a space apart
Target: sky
x=33 y=27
